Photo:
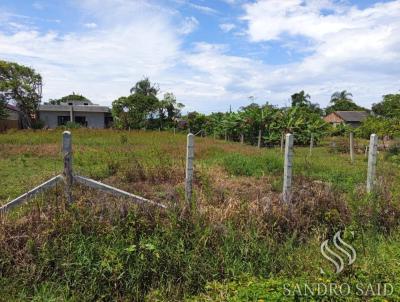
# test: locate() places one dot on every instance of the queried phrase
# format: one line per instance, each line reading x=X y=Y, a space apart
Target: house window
x=63 y=119
x=81 y=120
x=70 y=104
x=85 y=104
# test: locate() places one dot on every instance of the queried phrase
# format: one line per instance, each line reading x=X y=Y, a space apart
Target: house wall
x=354 y=124
x=333 y=119
x=93 y=119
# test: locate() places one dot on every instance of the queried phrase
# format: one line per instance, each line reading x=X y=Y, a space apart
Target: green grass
x=101 y=248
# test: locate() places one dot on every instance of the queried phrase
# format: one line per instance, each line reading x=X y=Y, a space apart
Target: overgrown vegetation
x=22 y=85
x=241 y=244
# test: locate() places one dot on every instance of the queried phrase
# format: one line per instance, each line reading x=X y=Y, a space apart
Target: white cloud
x=348 y=48
x=189 y=24
x=203 y=8
x=351 y=48
x=90 y=25
x=227 y=27
x=101 y=64
x=38 y=5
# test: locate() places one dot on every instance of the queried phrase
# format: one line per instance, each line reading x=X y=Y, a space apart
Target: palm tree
x=145 y=87
x=341 y=96
x=300 y=99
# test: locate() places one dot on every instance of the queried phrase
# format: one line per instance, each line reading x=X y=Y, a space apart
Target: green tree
x=23 y=86
x=342 y=101
x=302 y=100
x=169 y=110
x=3 y=112
x=389 y=107
x=379 y=125
x=341 y=96
x=133 y=111
x=136 y=110
x=196 y=121
x=69 y=98
x=145 y=87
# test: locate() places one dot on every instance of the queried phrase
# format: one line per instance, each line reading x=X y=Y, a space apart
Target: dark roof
x=352 y=116
x=76 y=108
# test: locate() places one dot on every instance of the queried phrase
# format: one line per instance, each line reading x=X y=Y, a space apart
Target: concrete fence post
x=282 y=141
x=311 y=143
x=352 y=147
x=242 y=138
x=287 y=172
x=372 y=155
x=189 y=167
x=67 y=154
x=259 y=139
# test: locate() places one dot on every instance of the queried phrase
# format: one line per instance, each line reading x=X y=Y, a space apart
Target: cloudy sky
x=210 y=54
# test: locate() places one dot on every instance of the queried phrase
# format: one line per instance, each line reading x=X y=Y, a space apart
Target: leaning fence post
x=373 y=146
x=352 y=147
x=67 y=154
x=189 y=167
x=287 y=174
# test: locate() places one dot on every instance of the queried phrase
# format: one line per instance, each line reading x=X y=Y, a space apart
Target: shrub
x=315 y=205
x=72 y=125
x=380 y=126
x=37 y=124
x=340 y=130
x=394 y=149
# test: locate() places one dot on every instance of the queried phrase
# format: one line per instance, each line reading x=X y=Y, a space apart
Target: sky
x=212 y=55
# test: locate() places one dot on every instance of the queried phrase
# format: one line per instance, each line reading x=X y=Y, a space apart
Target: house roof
x=75 y=108
x=352 y=116
x=12 y=107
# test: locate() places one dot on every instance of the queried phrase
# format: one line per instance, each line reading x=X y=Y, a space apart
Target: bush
x=37 y=124
x=394 y=149
x=315 y=205
x=380 y=126
x=340 y=130
x=72 y=125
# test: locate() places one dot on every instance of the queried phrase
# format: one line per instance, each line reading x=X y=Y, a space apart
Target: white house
x=84 y=113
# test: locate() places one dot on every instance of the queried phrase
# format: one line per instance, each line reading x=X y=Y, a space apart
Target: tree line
x=143 y=108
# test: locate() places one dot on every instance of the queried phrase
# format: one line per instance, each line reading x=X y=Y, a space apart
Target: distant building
x=351 y=118
x=84 y=113
x=13 y=120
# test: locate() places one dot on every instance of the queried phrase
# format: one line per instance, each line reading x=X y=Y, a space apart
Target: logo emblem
x=344 y=250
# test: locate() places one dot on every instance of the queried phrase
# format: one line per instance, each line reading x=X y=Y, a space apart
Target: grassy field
x=240 y=244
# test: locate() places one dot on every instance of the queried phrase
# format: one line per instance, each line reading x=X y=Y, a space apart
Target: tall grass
x=241 y=243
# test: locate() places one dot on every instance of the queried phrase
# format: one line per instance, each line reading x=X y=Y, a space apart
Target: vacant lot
x=239 y=244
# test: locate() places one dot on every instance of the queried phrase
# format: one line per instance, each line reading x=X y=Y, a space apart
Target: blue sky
x=210 y=54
